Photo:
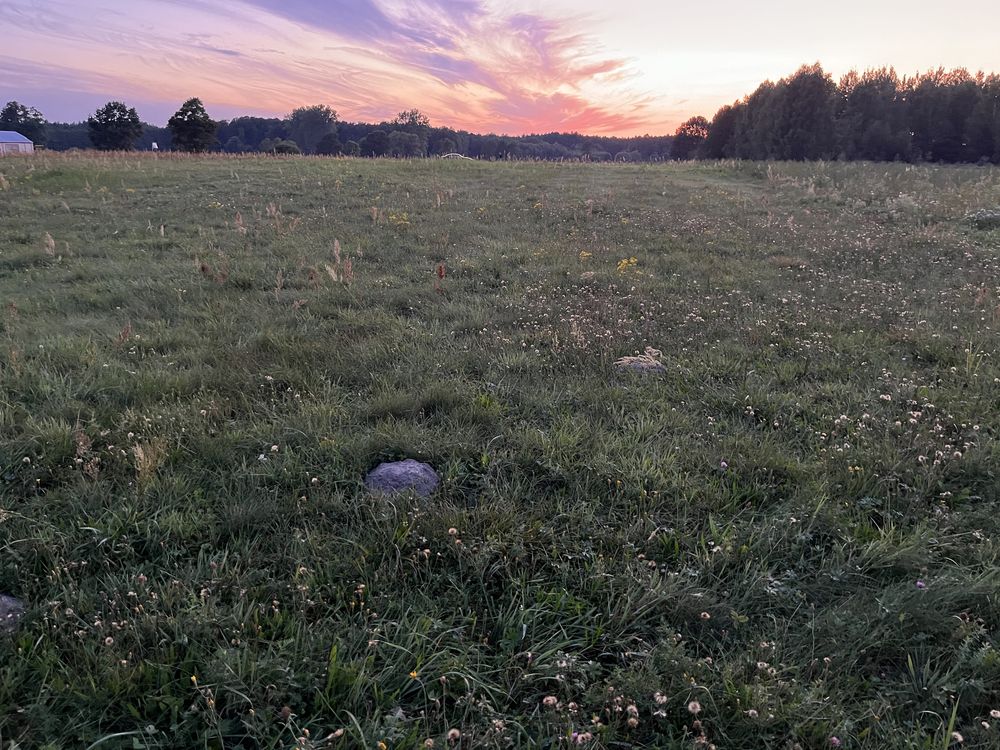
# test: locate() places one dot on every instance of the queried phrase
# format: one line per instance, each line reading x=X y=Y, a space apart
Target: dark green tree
x=871 y=117
x=982 y=129
x=234 y=145
x=689 y=138
x=191 y=127
x=404 y=145
x=806 y=109
x=445 y=146
x=721 y=133
x=307 y=126
x=252 y=131
x=27 y=121
x=376 y=143
x=939 y=104
x=114 y=127
x=411 y=118
x=414 y=122
x=329 y=145
x=756 y=132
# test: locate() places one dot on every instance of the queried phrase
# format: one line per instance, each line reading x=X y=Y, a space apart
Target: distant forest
x=317 y=130
x=938 y=116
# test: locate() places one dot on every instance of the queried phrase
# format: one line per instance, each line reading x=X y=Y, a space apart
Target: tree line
x=318 y=130
x=938 y=116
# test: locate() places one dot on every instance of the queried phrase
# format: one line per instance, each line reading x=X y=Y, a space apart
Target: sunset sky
x=506 y=66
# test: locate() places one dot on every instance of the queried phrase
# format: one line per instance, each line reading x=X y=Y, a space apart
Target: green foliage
x=794 y=529
x=309 y=126
x=191 y=128
x=805 y=122
x=286 y=147
x=402 y=144
x=114 y=127
x=261 y=133
x=411 y=118
x=689 y=138
x=27 y=121
x=938 y=116
x=871 y=121
x=376 y=143
x=234 y=145
x=329 y=145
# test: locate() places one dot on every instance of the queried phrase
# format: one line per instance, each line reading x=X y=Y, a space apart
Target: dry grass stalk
x=651 y=359
x=125 y=335
x=149 y=458
x=274 y=214
x=50 y=245
x=14 y=361
x=342 y=270
x=90 y=464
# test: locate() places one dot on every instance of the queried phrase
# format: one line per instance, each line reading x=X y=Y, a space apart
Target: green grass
x=189 y=403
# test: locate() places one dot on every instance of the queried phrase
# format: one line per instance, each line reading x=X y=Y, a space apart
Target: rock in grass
x=986 y=218
x=647 y=364
x=394 y=477
x=646 y=368
x=11 y=610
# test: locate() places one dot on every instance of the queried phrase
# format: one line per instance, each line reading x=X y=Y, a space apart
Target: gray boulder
x=645 y=367
x=394 y=477
x=11 y=611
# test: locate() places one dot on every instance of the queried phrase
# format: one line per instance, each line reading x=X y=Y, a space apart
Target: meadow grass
x=787 y=539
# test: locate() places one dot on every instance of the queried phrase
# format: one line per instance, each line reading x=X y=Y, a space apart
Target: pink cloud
x=463 y=62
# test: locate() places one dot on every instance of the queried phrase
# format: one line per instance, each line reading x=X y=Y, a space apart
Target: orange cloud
x=463 y=62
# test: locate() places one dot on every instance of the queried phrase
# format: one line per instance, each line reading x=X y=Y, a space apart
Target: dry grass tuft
x=149 y=457
x=650 y=360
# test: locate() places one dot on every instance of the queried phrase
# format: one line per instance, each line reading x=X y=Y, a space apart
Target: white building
x=14 y=143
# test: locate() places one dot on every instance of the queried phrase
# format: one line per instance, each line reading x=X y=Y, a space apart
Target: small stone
x=646 y=367
x=11 y=611
x=394 y=477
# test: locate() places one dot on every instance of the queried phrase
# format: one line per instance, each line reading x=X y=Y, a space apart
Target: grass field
x=788 y=539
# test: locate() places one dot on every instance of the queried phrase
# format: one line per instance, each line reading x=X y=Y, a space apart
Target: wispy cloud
x=489 y=65
x=467 y=63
